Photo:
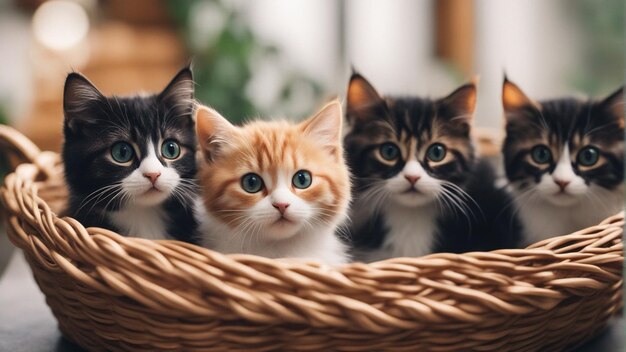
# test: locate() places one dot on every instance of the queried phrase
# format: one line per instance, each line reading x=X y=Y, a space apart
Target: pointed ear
x=614 y=104
x=79 y=95
x=361 y=97
x=460 y=104
x=213 y=130
x=180 y=90
x=514 y=100
x=326 y=128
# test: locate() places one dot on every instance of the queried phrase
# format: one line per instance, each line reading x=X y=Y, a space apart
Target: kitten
x=274 y=189
x=564 y=159
x=418 y=186
x=130 y=161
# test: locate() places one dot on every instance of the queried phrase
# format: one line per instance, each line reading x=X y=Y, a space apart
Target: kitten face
x=274 y=178
x=564 y=151
x=408 y=150
x=128 y=151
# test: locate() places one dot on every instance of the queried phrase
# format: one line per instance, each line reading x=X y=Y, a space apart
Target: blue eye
x=122 y=152
x=588 y=156
x=436 y=152
x=389 y=151
x=541 y=154
x=302 y=179
x=170 y=149
x=251 y=183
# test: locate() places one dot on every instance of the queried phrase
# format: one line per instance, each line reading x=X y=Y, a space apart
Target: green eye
x=170 y=149
x=122 y=152
x=588 y=156
x=302 y=179
x=251 y=183
x=541 y=154
x=436 y=152
x=389 y=151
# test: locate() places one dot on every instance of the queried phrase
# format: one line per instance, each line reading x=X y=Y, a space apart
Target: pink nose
x=152 y=176
x=282 y=207
x=412 y=179
x=562 y=184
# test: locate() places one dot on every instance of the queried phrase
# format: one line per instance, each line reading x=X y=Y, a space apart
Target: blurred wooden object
x=138 y=12
x=455 y=33
x=121 y=59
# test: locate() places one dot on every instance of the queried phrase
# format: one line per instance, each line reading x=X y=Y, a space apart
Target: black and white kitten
x=418 y=186
x=564 y=159
x=130 y=161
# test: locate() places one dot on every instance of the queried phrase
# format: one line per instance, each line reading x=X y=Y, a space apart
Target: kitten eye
x=251 y=183
x=302 y=179
x=170 y=149
x=541 y=154
x=436 y=152
x=122 y=152
x=389 y=151
x=588 y=156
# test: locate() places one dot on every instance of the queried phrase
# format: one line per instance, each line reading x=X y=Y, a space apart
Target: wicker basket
x=110 y=292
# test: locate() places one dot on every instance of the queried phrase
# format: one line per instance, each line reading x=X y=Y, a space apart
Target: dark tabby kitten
x=418 y=186
x=130 y=161
x=564 y=159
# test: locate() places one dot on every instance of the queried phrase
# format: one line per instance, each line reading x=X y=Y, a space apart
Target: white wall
x=391 y=43
x=535 y=41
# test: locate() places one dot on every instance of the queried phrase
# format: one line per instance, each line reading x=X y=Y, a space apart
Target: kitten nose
x=152 y=176
x=412 y=179
x=562 y=184
x=281 y=207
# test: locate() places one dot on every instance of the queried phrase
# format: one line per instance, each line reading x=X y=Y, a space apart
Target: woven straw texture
x=110 y=292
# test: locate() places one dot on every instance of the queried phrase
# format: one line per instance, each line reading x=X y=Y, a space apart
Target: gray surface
x=26 y=324
x=6 y=249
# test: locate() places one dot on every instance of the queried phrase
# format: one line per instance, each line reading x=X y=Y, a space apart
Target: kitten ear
x=79 y=94
x=361 y=97
x=325 y=127
x=213 y=131
x=180 y=90
x=614 y=104
x=514 y=100
x=460 y=104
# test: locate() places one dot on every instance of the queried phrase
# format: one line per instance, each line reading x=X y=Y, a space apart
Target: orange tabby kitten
x=273 y=188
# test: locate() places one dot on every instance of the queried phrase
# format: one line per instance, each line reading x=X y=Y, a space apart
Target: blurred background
x=285 y=58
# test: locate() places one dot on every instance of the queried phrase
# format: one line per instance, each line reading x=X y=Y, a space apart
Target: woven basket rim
x=172 y=279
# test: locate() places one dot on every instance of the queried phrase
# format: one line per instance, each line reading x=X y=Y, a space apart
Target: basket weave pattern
x=110 y=292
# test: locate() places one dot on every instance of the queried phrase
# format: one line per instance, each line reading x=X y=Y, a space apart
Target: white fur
x=411 y=232
x=143 y=215
x=409 y=216
x=546 y=211
x=260 y=234
x=144 y=222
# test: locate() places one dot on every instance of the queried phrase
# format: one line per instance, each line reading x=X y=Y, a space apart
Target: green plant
x=225 y=51
x=603 y=43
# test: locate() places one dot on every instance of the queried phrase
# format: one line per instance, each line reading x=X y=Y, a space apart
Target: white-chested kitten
x=564 y=159
x=130 y=161
x=274 y=189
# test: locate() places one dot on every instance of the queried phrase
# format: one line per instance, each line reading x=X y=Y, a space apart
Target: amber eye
x=541 y=154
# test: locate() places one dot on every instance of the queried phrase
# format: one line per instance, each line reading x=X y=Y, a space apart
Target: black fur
x=93 y=123
x=566 y=120
x=492 y=225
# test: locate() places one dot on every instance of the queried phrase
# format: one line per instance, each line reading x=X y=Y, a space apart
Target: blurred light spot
x=60 y=25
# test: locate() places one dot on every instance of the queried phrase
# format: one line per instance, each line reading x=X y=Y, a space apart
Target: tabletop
x=27 y=325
